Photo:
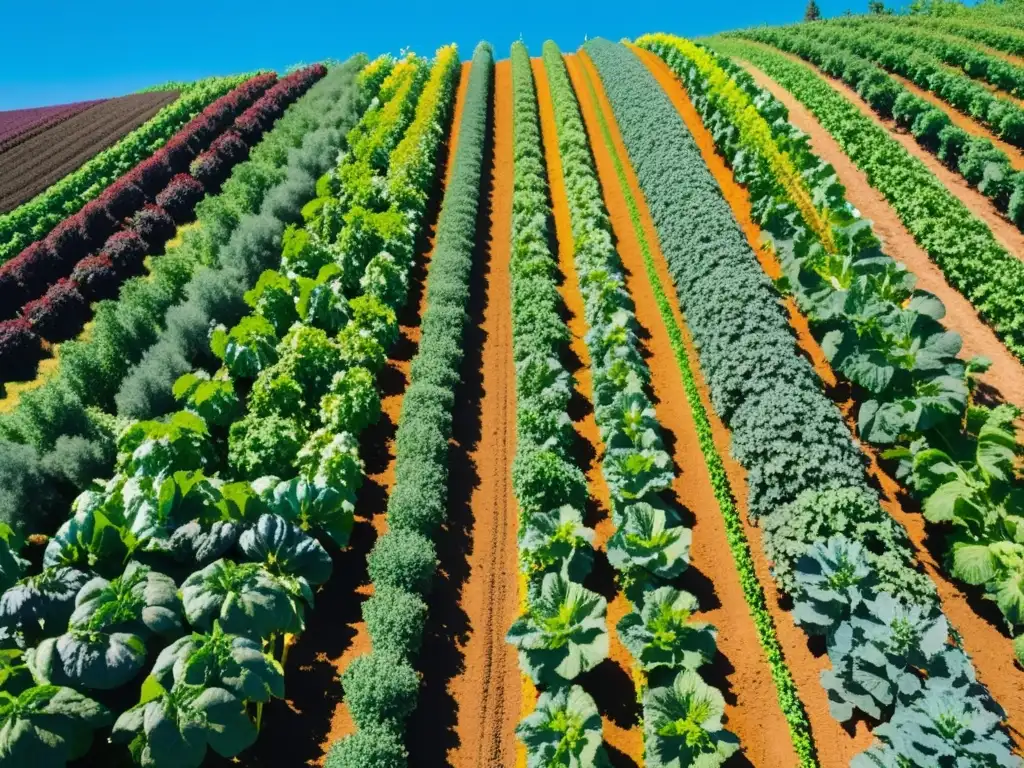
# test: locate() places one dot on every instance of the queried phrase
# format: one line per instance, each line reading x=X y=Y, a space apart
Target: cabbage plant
x=175 y=727
x=645 y=542
x=217 y=659
x=563 y=731
x=212 y=399
x=663 y=633
x=832 y=580
x=105 y=644
x=245 y=598
x=158 y=449
x=312 y=507
x=683 y=725
x=637 y=473
x=39 y=606
x=562 y=633
x=47 y=726
x=248 y=348
x=557 y=541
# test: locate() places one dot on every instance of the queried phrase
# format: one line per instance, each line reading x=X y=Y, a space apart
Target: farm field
x=652 y=403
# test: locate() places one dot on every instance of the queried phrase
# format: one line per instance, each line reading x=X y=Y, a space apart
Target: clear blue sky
x=70 y=50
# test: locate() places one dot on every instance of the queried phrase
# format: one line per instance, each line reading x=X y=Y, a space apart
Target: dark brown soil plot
x=19 y=125
x=33 y=165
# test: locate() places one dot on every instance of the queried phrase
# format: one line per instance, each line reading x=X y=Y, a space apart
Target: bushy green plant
x=374 y=745
x=683 y=725
x=662 y=632
x=380 y=688
x=264 y=445
x=394 y=620
x=404 y=559
x=353 y=403
x=564 y=729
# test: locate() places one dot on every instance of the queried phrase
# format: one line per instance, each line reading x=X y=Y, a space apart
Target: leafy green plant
x=48 y=725
x=285 y=550
x=645 y=542
x=637 y=474
x=380 y=688
x=395 y=620
x=683 y=725
x=353 y=403
x=212 y=399
x=158 y=449
x=662 y=632
x=264 y=445
x=310 y=506
x=177 y=725
x=39 y=606
x=217 y=659
x=562 y=633
x=244 y=598
x=831 y=581
x=273 y=298
x=556 y=541
x=248 y=348
x=564 y=730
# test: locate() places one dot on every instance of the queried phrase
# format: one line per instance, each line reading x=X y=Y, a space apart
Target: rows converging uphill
x=655 y=404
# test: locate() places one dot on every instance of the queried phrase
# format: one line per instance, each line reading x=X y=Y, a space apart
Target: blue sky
x=55 y=52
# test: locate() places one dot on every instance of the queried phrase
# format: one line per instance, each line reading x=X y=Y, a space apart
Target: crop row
x=999 y=37
x=204 y=487
x=58 y=437
x=739 y=546
x=959 y=243
x=975 y=63
x=382 y=686
x=982 y=164
x=842 y=559
x=877 y=330
x=555 y=547
x=33 y=220
x=1002 y=115
x=144 y=206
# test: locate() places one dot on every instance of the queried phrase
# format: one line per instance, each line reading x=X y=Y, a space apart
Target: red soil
x=471 y=700
x=31 y=166
x=1004 y=231
x=610 y=683
x=300 y=729
x=741 y=670
x=1006 y=376
x=990 y=650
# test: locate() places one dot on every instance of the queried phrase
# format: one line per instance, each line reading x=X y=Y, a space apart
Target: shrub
x=60 y=314
x=20 y=350
x=35 y=268
x=417 y=503
x=403 y=559
x=155 y=226
x=180 y=196
x=372 y=746
x=96 y=222
x=68 y=241
x=380 y=688
x=126 y=250
x=11 y=294
x=395 y=620
x=122 y=199
x=152 y=175
x=97 y=277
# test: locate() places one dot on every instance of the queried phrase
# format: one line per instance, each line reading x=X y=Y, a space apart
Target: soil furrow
x=33 y=165
x=299 y=729
x=1006 y=376
x=741 y=669
x=610 y=684
x=976 y=620
x=469 y=706
x=1004 y=231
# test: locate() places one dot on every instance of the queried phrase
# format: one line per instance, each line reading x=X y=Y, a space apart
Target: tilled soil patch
x=33 y=165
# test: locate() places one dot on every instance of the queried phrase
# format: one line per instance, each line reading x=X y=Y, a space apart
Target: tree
x=813 y=13
x=877 y=7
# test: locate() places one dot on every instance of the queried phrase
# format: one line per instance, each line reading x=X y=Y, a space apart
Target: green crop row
x=819 y=553
x=739 y=546
x=555 y=548
x=382 y=687
x=956 y=240
x=55 y=441
x=974 y=62
x=229 y=502
x=999 y=36
x=32 y=221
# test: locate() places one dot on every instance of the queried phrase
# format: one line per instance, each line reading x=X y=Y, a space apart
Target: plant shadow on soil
x=431 y=733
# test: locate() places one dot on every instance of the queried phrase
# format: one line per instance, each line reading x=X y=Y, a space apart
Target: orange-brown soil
x=975 y=619
x=610 y=683
x=1004 y=231
x=300 y=729
x=469 y=705
x=1006 y=376
x=740 y=670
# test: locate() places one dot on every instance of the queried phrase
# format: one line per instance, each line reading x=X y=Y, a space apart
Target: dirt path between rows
x=469 y=705
x=1004 y=231
x=975 y=619
x=301 y=728
x=1006 y=376
x=740 y=670
x=610 y=683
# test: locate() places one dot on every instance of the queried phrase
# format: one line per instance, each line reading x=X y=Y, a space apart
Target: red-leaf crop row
x=90 y=254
